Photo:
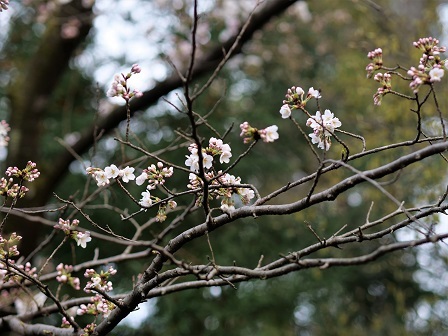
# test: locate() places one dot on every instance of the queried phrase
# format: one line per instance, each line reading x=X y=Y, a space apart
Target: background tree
x=322 y=45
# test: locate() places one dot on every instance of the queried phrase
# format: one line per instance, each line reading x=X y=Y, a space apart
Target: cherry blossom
x=120 y=87
x=323 y=126
x=141 y=178
x=145 y=201
x=65 y=276
x=82 y=238
x=269 y=134
x=101 y=178
x=127 y=174
x=285 y=111
x=314 y=93
x=155 y=175
x=112 y=171
x=377 y=61
x=436 y=74
x=215 y=147
x=66 y=226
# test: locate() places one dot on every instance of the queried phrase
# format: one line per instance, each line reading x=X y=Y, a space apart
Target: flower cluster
x=377 y=61
x=29 y=173
x=215 y=147
x=98 y=305
x=386 y=86
x=221 y=185
x=224 y=186
x=99 y=281
x=148 y=200
x=7 y=275
x=120 y=88
x=249 y=133
x=8 y=247
x=88 y=329
x=81 y=238
x=430 y=68
x=103 y=177
x=10 y=189
x=65 y=276
x=65 y=323
x=295 y=99
x=4 y=5
x=4 y=129
x=155 y=175
x=66 y=226
x=323 y=126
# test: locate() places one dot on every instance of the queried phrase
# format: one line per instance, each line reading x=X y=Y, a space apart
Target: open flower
x=269 y=134
x=146 y=200
x=127 y=174
x=82 y=238
x=112 y=171
x=285 y=111
x=314 y=93
x=436 y=74
x=323 y=126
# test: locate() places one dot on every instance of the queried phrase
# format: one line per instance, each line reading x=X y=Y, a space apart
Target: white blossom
x=285 y=111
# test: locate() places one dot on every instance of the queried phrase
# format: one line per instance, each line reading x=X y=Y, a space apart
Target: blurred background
x=319 y=43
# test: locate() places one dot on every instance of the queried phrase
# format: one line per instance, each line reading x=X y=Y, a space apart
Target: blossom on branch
x=295 y=100
x=323 y=126
x=8 y=247
x=65 y=276
x=120 y=87
x=429 y=70
x=214 y=148
x=66 y=226
x=224 y=187
x=111 y=171
x=269 y=134
x=314 y=93
x=127 y=174
x=385 y=81
x=13 y=190
x=249 y=133
x=82 y=238
x=155 y=174
x=377 y=61
x=146 y=200
x=29 y=173
x=436 y=74
x=103 y=177
x=430 y=65
x=285 y=111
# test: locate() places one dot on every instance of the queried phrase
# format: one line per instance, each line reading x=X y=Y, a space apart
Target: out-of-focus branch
x=16 y=325
x=234 y=274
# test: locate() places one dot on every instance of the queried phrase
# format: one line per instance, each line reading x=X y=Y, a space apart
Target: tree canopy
x=181 y=189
